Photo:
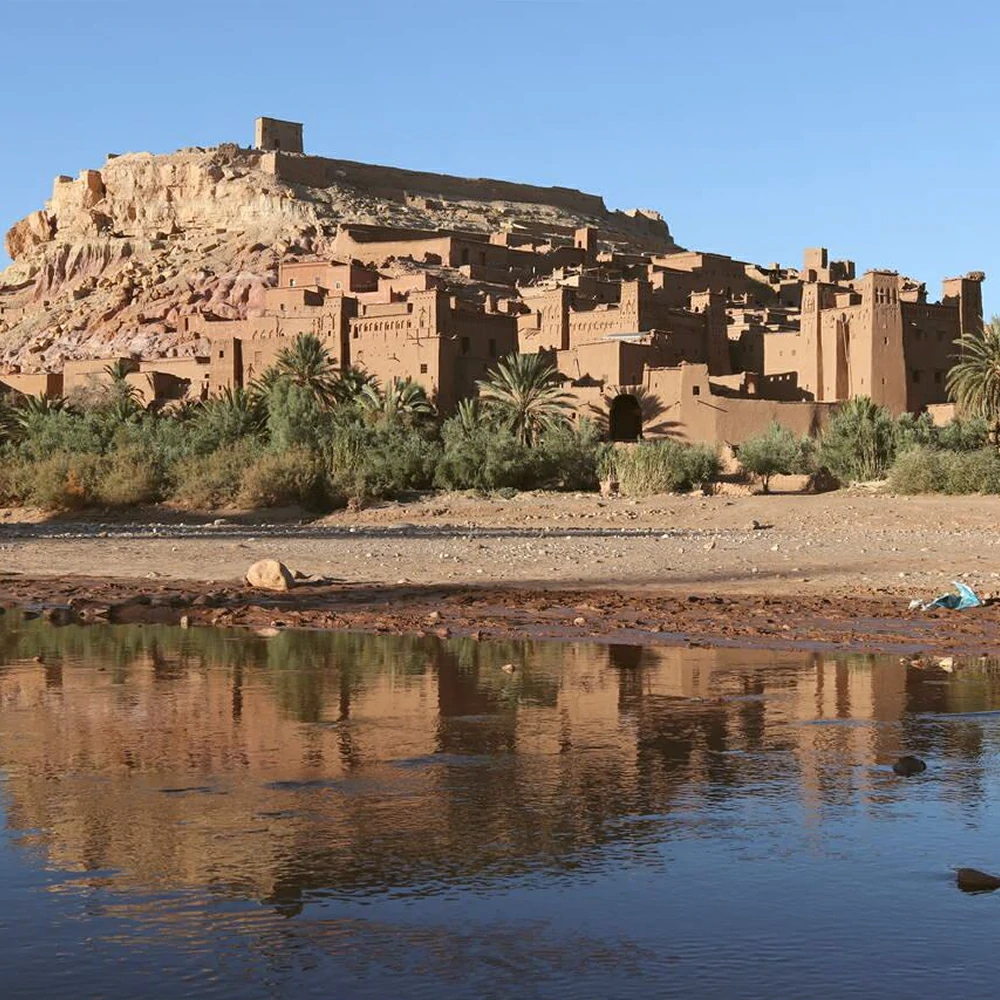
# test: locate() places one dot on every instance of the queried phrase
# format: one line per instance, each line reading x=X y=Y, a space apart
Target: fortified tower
x=272 y=133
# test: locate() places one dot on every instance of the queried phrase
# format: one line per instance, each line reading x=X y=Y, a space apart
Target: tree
x=402 y=400
x=860 y=441
x=525 y=395
x=974 y=381
x=227 y=418
x=351 y=382
x=306 y=363
x=775 y=452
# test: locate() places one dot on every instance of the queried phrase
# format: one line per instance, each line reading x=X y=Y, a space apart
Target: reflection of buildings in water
x=311 y=760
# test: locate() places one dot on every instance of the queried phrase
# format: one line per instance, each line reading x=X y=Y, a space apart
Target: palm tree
x=402 y=399
x=351 y=382
x=307 y=363
x=29 y=408
x=525 y=394
x=974 y=381
x=232 y=415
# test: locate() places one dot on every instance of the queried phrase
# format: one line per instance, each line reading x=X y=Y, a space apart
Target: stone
x=908 y=766
x=973 y=880
x=580 y=621
x=508 y=668
x=270 y=574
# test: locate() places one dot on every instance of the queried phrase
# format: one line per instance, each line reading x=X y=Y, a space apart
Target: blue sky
x=757 y=129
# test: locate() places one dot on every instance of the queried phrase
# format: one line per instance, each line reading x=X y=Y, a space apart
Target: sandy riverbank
x=835 y=568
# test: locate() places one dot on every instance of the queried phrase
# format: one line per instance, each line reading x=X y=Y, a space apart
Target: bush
x=207 y=481
x=661 y=467
x=278 y=479
x=775 y=452
x=570 y=457
x=859 y=443
x=963 y=434
x=128 y=476
x=61 y=482
x=919 y=470
x=380 y=460
x=932 y=470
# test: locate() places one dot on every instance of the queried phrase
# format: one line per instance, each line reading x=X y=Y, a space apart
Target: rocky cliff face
x=120 y=254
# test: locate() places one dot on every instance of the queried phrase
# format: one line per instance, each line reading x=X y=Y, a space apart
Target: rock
x=185 y=621
x=434 y=617
x=580 y=621
x=270 y=574
x=908 y=766
x=753 y=525
x=508 y=668
x=972 y=880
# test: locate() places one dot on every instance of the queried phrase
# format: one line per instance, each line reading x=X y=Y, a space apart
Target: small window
x=355 y=333
x=222 y=354
x=338 y=285
x=696 y=390
x=423 y=369
x=291 y=282
x=464 y=345
x=885 y=341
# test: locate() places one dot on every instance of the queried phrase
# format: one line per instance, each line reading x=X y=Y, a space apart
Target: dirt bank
x=837 y=569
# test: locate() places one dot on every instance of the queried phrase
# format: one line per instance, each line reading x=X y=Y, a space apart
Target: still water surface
x=212 y=814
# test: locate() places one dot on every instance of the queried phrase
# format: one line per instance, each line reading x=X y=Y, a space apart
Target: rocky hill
x=119 y=254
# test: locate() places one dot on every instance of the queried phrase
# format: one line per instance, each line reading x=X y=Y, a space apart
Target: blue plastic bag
x=965 y=598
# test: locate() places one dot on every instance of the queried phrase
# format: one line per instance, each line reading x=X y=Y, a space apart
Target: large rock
x=972 y=880
x=269 y=574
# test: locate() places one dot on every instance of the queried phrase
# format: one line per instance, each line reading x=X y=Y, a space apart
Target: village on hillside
x=650 y=341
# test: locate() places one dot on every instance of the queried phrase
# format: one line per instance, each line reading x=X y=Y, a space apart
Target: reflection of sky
x=345 y=815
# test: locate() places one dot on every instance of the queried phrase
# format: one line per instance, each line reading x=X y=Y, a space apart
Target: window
x=696 y=390
x=885 y=341
x=423 y=369
x=222 y=354
x=354 y=333
x=493 y=348
x=291 y=282
x=464 y=345
x=338 y=284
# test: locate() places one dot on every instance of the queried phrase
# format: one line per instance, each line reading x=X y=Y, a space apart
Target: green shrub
x=379 y=460
x=963 y=434
x=919 y=470
x=859 y=443
x=570 y=457
x=278 y=479
x=128 y=476
x=61 y=482
x=932 y=470
x=661 y=467
x=204 y=482
x=775 y=452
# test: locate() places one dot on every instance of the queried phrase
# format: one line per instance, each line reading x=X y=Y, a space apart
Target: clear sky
x=757 y=129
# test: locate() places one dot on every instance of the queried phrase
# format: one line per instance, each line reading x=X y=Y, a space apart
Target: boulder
x=907 y=766
x=971 y=880
x=270 y=574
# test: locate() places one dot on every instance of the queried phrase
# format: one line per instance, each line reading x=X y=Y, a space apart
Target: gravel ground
x=846 y=542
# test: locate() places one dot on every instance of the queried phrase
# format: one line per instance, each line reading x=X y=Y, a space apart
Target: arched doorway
x=625 y=419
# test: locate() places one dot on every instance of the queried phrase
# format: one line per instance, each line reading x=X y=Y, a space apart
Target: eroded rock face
x=119 y=256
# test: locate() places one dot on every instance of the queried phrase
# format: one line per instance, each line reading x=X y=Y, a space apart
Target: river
x=215 y=813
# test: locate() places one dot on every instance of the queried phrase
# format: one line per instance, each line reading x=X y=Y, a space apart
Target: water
x=212 y=814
